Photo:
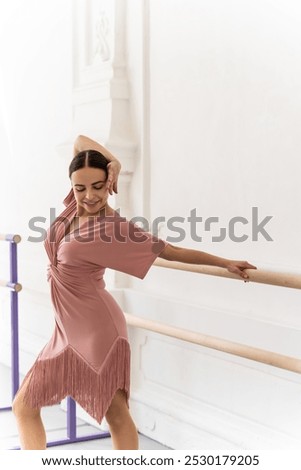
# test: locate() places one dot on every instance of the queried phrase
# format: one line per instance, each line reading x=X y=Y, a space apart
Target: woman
x=88 y=355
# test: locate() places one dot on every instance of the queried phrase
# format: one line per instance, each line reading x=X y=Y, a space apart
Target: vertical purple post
x=71 y=419
x=14 y=319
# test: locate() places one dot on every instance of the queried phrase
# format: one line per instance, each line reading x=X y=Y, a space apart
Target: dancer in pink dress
x=88 y=355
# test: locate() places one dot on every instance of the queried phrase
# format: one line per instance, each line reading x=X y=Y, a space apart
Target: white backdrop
x=213 y=106
x=224 y=102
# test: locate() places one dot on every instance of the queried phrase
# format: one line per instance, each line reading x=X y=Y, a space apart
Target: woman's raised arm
x=83 y=142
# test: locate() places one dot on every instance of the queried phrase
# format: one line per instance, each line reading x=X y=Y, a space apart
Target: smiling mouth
x=91 y=203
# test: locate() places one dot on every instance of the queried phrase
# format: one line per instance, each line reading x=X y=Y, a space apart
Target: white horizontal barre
x=248 y=352
x=15 y=286
x=259 y=275
x=10 y=237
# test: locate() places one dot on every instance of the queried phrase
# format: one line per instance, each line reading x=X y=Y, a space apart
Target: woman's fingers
x=238 y=267
x=109 y=186
x=115 y=187
x=249 y=266
x=113 y=173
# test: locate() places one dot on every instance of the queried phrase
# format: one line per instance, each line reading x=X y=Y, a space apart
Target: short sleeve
x=124 y=246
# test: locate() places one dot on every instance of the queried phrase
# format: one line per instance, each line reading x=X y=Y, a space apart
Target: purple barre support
x=9 y=237
x=71 y=404
x=13 y=240
x=71 y=418
x=71 y=428
x=14 y=320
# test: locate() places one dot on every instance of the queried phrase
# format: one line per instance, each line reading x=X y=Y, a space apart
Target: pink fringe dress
x=88 y=355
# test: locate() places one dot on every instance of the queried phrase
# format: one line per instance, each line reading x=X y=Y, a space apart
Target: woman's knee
x=21 y=410
x=118 y=410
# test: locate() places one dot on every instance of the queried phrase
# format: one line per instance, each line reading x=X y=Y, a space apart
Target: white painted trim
x=180 y=421
x=91 y=94
x=145 y=140
x=201 y=426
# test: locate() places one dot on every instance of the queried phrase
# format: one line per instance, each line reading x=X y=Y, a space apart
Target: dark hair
x=88 y=158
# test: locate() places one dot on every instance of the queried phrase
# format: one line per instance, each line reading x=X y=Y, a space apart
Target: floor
x=54 y=419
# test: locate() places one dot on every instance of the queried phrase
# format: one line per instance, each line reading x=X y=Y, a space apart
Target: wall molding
x=187 y=396
x=199 y=426
x=182 y=418
x=146 y=97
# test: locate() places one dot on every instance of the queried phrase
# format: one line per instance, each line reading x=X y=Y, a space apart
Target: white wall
x=35 y=117
x=224 y=137
x=214 y=103
x=225 y=102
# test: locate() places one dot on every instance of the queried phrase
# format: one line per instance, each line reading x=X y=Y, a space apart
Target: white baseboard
x=202 y=427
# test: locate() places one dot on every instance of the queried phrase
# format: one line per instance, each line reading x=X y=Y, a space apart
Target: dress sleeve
x=124 y=246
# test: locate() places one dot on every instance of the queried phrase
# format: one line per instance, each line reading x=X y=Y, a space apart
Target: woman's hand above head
x=113 y=168
x=83 y=142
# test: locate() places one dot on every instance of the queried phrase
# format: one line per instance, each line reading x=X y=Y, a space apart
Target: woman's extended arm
x=83 y=142
x=185 y=255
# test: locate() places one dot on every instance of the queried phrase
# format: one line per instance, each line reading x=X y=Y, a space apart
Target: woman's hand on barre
x=186 y=255
x=238 y=267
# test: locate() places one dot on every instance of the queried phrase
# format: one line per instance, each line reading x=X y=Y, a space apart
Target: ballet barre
x=271 y=358
x=10 y=237
x=248 y=352
x=15 y=287
x=261 y=276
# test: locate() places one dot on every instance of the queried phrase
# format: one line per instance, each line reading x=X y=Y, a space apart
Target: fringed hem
x=51 y=380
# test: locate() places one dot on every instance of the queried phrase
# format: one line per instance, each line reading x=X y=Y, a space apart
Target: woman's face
x=89 y=187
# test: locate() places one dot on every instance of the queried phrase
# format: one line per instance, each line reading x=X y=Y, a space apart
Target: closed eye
x=80 y=190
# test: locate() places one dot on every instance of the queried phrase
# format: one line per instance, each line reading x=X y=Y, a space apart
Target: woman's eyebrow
x=91 y=184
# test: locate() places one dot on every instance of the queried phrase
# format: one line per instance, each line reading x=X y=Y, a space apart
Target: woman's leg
x=122 y=428
x=30 y=426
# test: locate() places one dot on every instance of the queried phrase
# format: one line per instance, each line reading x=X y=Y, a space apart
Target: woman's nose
x=89 y=194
